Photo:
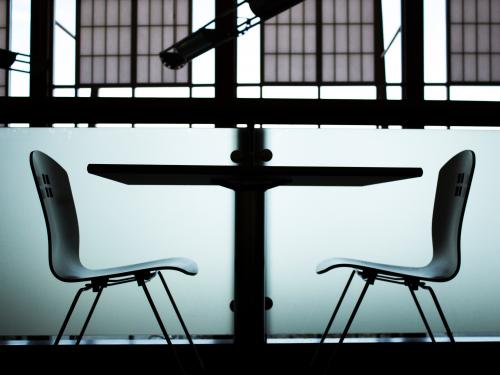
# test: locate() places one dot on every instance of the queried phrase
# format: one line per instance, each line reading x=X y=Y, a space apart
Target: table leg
x=249 y=291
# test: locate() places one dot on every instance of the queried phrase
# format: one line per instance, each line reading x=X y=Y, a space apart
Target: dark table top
x=140 y=174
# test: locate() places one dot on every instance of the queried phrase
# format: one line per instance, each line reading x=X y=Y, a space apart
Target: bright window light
x=113 y=125
x=115 y=92
x=170 y=126
x=203 y=92
x=435 y=41
x=162 y=92
x=394 y=93
x=290 y=92
x=435 y=93
x=479 y=93
x=348 y=92
x=248 y=50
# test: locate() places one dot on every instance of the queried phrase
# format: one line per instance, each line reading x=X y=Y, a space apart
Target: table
x=249 y=183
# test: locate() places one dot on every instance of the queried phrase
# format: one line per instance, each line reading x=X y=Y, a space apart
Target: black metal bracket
x=251 y=152
x=268 y=304
x=368 y=276
x=97 y=284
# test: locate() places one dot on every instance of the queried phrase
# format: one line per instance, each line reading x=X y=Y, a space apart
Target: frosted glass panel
x=119 y=224
x=388 y=223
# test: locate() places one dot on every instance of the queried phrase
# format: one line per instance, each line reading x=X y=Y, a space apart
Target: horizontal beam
x=256 y=111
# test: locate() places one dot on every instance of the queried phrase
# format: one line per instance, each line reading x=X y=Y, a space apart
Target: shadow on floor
x=278 y=358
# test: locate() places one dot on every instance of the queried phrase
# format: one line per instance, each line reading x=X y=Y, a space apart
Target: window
x=338 y=50
x=119 y=41
x=474 y=41
x=4 y=42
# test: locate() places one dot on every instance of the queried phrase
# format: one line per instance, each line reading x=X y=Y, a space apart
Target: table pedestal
x=249 y=285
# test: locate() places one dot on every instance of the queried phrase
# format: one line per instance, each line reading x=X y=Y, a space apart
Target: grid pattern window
x=290 y=45
x=4 y=12
x=338 y=49
x=474 y=41
x=160 y=24
x=348 y=42
x=119 y=41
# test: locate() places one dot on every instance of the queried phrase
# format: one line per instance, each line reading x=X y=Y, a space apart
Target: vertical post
x=250 y=289
x=412 y=32
x=379 y=62
x=42 y=20
x=225 y=56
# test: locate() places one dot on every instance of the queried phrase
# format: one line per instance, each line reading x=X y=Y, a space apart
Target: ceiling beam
x=257 y=111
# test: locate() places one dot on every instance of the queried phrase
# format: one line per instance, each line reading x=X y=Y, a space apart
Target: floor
x=289 y=358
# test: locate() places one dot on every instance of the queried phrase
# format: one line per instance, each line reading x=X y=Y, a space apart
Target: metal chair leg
x=96 y=299
x=68 y=314
x=160 y=323
x=330 y=322
x=421 y=312
x=184 y=327
x=369 y=280
x=441 y=314
x=355 y=311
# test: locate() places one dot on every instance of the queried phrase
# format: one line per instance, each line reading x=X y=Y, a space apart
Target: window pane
x=288 y=38
x=106 y=35
x=475 y=40
x=347 y=32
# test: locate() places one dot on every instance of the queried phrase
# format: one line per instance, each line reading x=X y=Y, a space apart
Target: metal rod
x=441 y=314
x=334 y=314
x=398 y=31
x=68 y=315
x=348 y=325
x=20 y=70
x=355 y=311
x=160 y=323
x=101 y=288
x=65 y=30
x=421 y=312
x=177 y=312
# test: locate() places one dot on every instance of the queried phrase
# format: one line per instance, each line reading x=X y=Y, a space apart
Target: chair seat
x=421 y=273
x=184 y=265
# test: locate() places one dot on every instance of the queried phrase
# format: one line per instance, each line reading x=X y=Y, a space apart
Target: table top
x=149 y=174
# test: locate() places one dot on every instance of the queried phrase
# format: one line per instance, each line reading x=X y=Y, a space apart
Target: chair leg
x=179 y=316
x=369 y=281
x=355 y=311
x=68 y=314
x=330 y=322
x=421 y=312
x=160 y=323
x=84 y=328
x=441 y=314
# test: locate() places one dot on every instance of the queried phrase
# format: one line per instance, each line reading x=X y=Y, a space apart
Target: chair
x=54 y=191
x=452 y=191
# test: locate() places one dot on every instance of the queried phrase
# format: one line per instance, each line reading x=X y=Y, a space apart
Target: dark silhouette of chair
x=452 y=192
x=55 y=195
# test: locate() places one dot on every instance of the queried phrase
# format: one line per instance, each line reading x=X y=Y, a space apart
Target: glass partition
x=123 y=224
x=388 y=223
x=119 y=224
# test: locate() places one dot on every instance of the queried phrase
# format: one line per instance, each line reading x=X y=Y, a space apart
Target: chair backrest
x=55 y=195
x=452 y=191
